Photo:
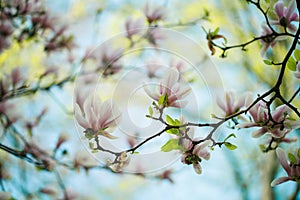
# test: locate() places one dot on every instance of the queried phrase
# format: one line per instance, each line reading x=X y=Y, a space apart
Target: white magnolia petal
x=79 y=118
x=171 y=78
x=259 y=132
x=108 y=135
x=280 y=180
x=151 y=94
x=283 y=160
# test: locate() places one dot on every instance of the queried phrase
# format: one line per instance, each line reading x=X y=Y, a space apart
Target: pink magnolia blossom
x=286 y=15
x=260 y=117
x=152 y=67
x=95 y=117
x=155 y=35
x=195 y=157
x=154 y=14
x=83 y=159
x=268 y=40
x=109 y=60
x=133 y=27
x=297 y=73
x=292 y=168
x=232 y=103
x=172 y=90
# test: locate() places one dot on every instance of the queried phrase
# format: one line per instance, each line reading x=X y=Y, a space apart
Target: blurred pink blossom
x=268 y=40
x=172 y=89
x=232 y=103
x=292 y=169
x=152 y=67
x=153 y=14
x=95 y=117
x=132 y=26
x=282 y=126
x=286 y=15
x=195 y=157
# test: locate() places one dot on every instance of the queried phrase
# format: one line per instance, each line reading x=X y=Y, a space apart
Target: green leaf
x=268 y=62
x=177 y=122
x=91 y=145
x=215 y=32
x=150 y=111
x=297 y=54
x=95 y=151
x=135 y=152
x=262 y=147
x=170 y=120
x=298 y=153
x=230 y=146
x=229 y=136
x=292 y=158
x=163 y=100
x=173 y=131
x=172 y=144
x=291 y=64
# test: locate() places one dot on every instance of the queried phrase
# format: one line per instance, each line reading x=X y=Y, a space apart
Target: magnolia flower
x=155 y=34
x=286 y=15
x=233 y=103
x=109 y=60
x=84 y=159
x=292 y=169
x=152 y=67
x=40 y=154
x=171 y=90
x=297 y=73
x=260 y=116
x=133 y=27
x=95 y=117
x=195 y=157
x=154 y=14
x=268 y=41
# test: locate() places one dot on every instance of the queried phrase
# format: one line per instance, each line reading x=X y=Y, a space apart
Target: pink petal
x=259 y=132
x=279 y=9
x=221 y=105
x=294 y=17
x=280 y=180
x=283 y=160
x=278 y=114
x=80 y=119
x=171 y=78
x=246 y=125
x=290 y=10
x=150 y=94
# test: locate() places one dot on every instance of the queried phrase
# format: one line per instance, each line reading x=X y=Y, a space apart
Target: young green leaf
x=268 y=62
x=177 y=122
x=215 y=32
x=298 y=153
x=91 y=145
x=291 y=64
x=297 y=54
x=172 y=144
x=229 y=136
x=230 y=146
x=292 y=158
x=161 y=100
x=150 y=111
x=173 y=131
x=170 y=120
